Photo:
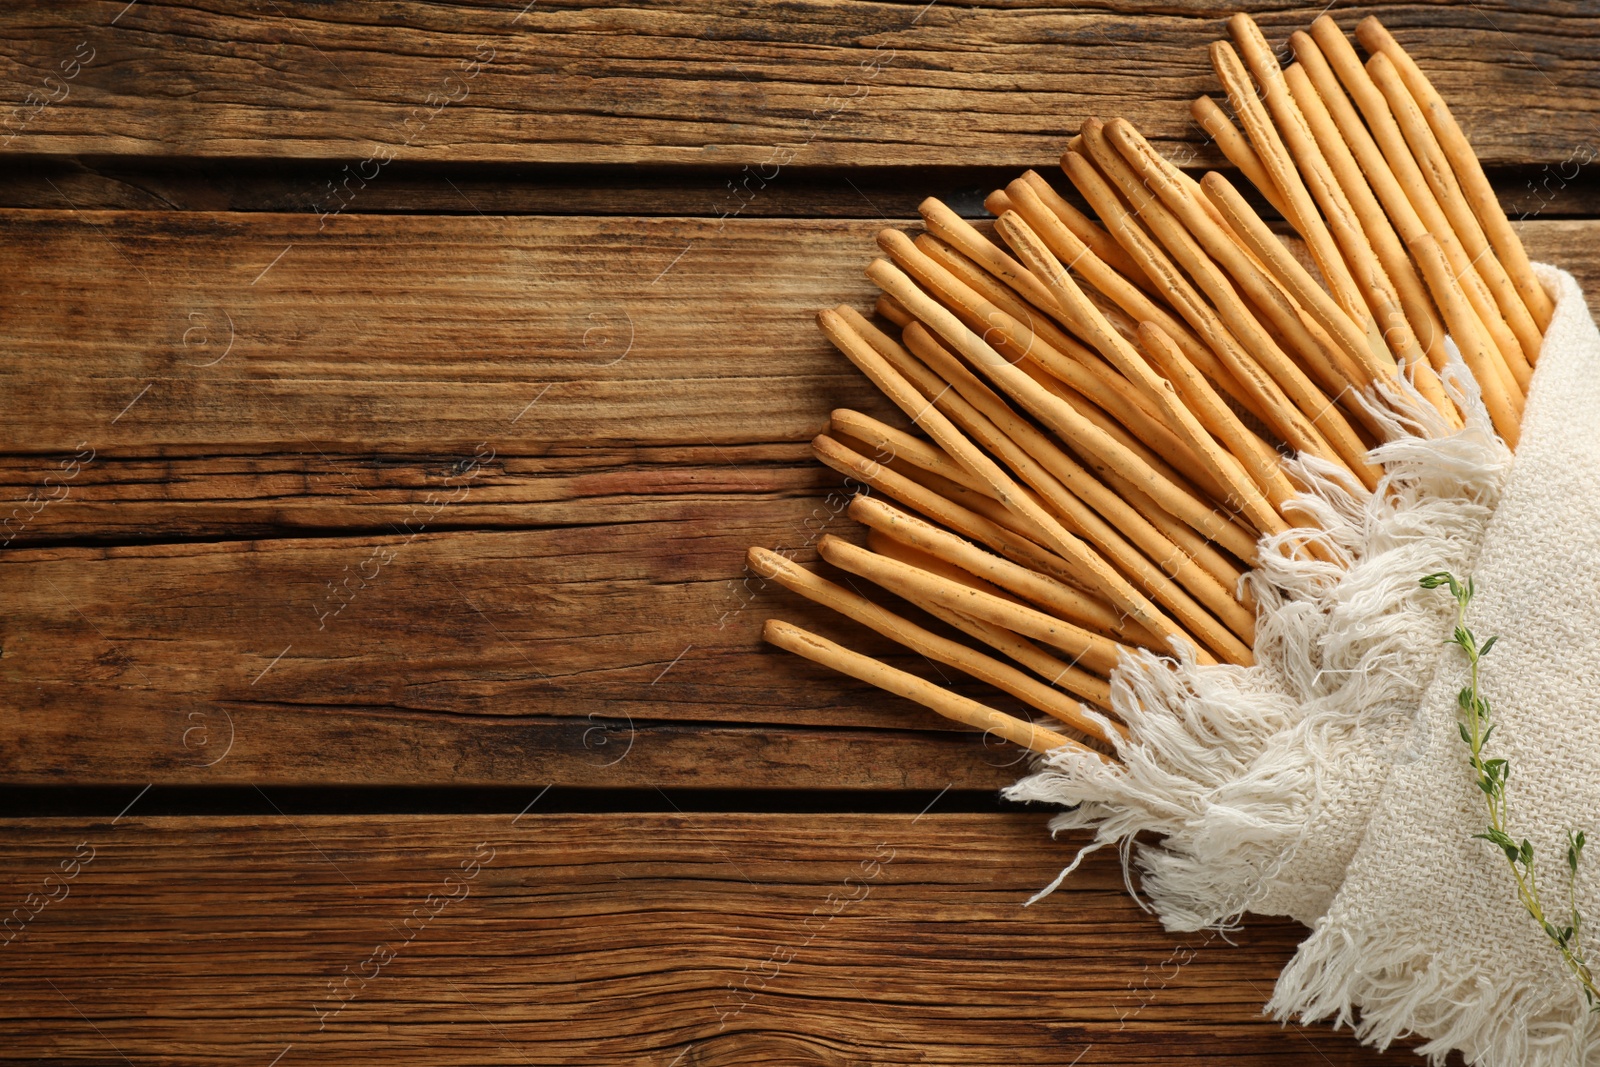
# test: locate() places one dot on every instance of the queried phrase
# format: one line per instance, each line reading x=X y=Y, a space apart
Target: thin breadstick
x=1081 y=501
x=898 y=444
x=925 y=642
x=1097 y=448
x=1236 y=147
x=1285 y=418
x=1041 y=590
x=1018 y=649
x=1287 y=270
x=1338 y=370
x=1447 y=191
x=1401 y=164
x=1243 y=495
x=1015 y=339
x=1127 y=414
x=1339 y=217
x=1088 y=233
x=951 y=705
x=1072 y=393
x=997 y=203
x=1468 y=170
x=1082 y=259
x=1116 y=588
x=964 y=520
x=1091 y=650
x=1301 y=211
x=1475 y=348
x=1421 y=319
x=1257 y=457
x=890 y=308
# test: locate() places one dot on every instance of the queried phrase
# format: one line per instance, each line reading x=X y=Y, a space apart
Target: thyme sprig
x=1476 y=727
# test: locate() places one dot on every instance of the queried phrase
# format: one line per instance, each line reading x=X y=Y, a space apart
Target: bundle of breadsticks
x=1177 y=476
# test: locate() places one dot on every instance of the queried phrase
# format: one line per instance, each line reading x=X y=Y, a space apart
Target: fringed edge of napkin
x=1227 y=764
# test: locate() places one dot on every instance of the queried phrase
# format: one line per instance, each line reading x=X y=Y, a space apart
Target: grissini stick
x=1073 y=395
x=1063 y=355
x=1014 y=339
x=1469 y=171
x=1392 y=211
x=1243 y=495
x=1115 y=587
x=997 y=203
x=1442 y=181
x=1257 y=457
x=951 y=705
x=1017 y=648
x=1087 y=232
x=1284 y=418
x=1081 y=501
x=1302 y=211
x=970 y=524
x=925 y=642
x=1404 y=167
x=1503 y=403
x=1338 y=369
x=885 y=440
x=925 y=346
x=1041 y=590
x=1094 y=651
x=1097 y=448
x=1421 y=319
x=1364 y=267
x=1256 y=236
x=890 y=309
x=1082 y=259
x=962 y=236
x=1236 y=147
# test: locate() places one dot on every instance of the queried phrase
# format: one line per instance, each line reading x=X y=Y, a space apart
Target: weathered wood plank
x=547 y=596
x=821 y=82
x=689 y=939
x=159 y=332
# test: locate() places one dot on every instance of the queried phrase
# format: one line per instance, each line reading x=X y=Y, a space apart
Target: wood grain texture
x=650 y=939
x=701 y=82
x=385 y=604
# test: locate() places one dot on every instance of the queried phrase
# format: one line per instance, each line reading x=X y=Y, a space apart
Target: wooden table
x=390 y=393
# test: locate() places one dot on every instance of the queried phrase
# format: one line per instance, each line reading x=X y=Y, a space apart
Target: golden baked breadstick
x=1362 y=264
x=891 y=310
x=1243 y=496
x=1447 y=191
x=1469 y=171
x=1236 y=147
x=1019 y=649
x=1092 y=650
x=1017 y=341
x=1082 y=501
x=1098 y=273
x=1403 y=166
x=1008 y=542
x=1087 y=232
x=985 y=668
x=1503 y=404
x=1302 y=211
x=1421 y=319
x=1041 y=590
x=1284 y=417
x=1115 y=587
x=1339 y=371
x=885 y=440
x=951 y=705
